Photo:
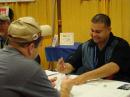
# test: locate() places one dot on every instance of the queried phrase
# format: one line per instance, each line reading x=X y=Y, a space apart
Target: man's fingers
x=60 y=65
x=60 y=61
x=52 y=79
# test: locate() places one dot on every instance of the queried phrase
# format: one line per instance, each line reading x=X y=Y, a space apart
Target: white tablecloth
x=97 y=88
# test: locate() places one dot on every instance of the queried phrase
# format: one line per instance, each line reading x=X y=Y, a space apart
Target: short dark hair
x=101 y=18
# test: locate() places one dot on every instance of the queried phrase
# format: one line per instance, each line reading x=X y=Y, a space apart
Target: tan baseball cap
x=28 y=29
x=4 y=17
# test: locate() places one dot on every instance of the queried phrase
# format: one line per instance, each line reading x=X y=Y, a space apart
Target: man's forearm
x=64 y=93
x=104 y=71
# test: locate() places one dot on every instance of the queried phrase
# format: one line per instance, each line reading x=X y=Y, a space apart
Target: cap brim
x=46 y=30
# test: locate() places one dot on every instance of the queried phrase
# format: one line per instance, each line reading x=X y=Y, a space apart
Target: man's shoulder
x=18 y=68
x=28 y=63
x=20 y=62
x=121 y=41
x=89 y=42
x=25 y=67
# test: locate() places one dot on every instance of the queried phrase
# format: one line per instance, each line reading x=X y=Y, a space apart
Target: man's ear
x=109 y=29
x=31 y=49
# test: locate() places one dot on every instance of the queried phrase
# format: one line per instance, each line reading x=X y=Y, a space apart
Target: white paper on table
x=60 y=77
x=50 y=73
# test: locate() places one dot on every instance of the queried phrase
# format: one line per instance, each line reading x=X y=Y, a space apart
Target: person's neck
x=23 y=51
x=103 y=44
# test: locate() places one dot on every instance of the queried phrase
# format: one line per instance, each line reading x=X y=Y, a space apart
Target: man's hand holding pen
x=63 y=67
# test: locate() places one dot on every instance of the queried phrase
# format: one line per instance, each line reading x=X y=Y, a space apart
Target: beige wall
x=76 y=16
